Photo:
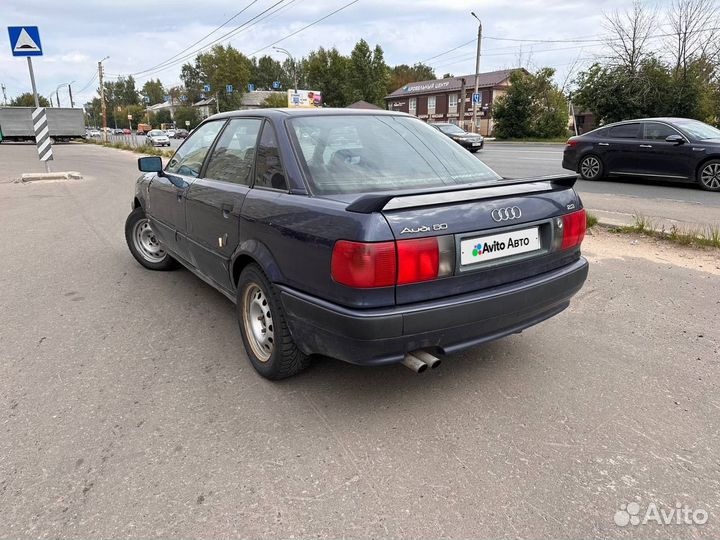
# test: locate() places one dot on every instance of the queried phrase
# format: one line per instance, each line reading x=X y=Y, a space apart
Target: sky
x=137 y=35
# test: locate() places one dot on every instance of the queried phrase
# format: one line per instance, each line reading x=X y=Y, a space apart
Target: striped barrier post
x=42 y=136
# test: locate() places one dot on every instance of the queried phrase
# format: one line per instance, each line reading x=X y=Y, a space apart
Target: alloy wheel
x=257 y=318
x=710 y=176
x=590 y=167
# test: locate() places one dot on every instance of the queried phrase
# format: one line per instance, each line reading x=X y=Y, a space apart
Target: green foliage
x=28 y=100
x=369 y=76
x=154 y=90
x=403 y=74
x=614 y=93
x=266 y=70
x=219 y=67
x=532 y=107
x=160 y=117
x=275 y=101
x=187 y=113
x=329 y=71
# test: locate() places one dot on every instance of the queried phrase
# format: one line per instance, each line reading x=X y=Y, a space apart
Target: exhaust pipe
x=414 y=363
x=432 y=361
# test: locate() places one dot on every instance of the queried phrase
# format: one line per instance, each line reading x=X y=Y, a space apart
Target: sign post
x=25 y=41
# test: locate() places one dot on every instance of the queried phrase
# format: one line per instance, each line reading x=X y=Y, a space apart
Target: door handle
x=226 y=209
x=646 y=146
x=603 y=144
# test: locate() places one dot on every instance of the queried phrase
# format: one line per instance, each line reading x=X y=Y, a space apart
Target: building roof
x=203 y=102
x=485 y=80
x=258 y=97
x=363 y=105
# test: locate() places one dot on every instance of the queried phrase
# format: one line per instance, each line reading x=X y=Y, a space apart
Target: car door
x=621 y=148
x=166 y=192
x=214 y=201
x=657 y=157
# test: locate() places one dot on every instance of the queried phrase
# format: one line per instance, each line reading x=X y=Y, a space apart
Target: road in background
x=128 y=407
x=615 y=200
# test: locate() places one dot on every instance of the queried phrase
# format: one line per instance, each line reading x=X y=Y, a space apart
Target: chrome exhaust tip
x=433 y=362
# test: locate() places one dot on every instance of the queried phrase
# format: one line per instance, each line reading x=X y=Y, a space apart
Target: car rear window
x=364 y=153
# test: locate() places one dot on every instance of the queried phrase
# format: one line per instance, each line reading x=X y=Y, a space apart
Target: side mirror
x=675 y=139
x=150 y=164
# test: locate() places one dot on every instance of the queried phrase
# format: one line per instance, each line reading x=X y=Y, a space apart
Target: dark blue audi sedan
x=364 y=236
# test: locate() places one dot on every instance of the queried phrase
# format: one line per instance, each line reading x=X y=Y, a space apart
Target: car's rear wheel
x=264 y=330
x=709 y=175
x=144 y=245
x=591 y=168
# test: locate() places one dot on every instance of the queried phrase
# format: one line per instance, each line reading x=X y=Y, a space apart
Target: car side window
x=189 y=157
x=625 y=131
x=269 y=172
x=658 y=132
x=233 y=157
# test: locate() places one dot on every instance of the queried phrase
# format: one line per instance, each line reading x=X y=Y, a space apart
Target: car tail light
x=418 y=260
x=363 y=264
x=571 y=143
x=574 y=225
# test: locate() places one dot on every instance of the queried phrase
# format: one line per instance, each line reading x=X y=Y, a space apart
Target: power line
x=305 y=27
x=204 y=37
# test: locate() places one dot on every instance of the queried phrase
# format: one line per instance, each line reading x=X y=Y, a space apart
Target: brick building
x=439 y=100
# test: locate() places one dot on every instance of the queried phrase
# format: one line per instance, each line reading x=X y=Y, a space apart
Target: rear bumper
x=383 y=336
x=570 y=161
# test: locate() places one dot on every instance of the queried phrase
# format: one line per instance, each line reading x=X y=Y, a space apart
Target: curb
x=66 y=175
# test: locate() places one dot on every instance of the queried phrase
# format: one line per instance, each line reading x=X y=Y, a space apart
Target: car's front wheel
x=264 y=330
x=709 y=175
x=591 y=168
x=144 y=245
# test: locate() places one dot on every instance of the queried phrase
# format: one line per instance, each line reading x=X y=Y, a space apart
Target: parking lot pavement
x=615 y=200
x=128 y=407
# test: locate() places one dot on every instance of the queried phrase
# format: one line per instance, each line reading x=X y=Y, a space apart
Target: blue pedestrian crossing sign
x=276 y=85
x=251 y=87
x=476 y=98
x=206 y=87
x=25 y=41
x=229 y=88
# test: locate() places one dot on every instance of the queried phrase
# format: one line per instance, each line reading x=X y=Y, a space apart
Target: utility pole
x=72 y=105
x=461 y=123
x=57 y=96
x=102 y=98
x=4 y=95
x=477 y=72
x=292 y=60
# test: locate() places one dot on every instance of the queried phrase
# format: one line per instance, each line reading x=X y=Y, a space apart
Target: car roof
x=297 y=112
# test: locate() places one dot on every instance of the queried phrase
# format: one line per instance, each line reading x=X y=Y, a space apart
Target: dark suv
x=364 y=236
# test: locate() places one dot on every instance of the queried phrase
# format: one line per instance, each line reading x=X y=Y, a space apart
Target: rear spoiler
x=393 y=200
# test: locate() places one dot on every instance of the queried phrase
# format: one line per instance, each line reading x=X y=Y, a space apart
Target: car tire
x=591 y=167
x=708 y=175
x=264 y=329
x=143 y=244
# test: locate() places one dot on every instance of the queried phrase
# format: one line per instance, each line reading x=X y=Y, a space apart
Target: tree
x=126 y=92
x=275 y=100
x=533 y=106
x=448 y=76
x=328 y=71
x=153 y=89
x=369 y=74
x=629 y=32
x=266 y=71
x=403 y=74
x=28 y=100
x=160 y=117
x=187 y=114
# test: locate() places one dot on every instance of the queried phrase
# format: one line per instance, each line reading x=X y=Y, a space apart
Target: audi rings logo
x=506 y=214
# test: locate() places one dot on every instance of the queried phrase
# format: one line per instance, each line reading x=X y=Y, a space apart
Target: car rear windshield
x=364 y=153
x=450 y=129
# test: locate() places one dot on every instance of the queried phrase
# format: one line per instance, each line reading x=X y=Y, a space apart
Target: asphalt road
x=616 y=200
x=128 y=407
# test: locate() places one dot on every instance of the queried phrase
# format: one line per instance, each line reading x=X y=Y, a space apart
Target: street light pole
x=477 y=72
x=292 y=60
x=72 y=105
x=102 y=98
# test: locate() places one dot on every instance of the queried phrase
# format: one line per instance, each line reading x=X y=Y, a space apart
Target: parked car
x=116 y=131
x=373 y=251
x=127 y=131
x=471 y=141
x=181 y=133
x=170 y=133
x=94 y=133
x=673 y=149
x=156 y=137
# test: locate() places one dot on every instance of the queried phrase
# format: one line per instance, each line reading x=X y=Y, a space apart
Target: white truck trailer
x=64 y=123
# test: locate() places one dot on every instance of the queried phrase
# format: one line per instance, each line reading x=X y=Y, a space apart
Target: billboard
x=304 y=98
